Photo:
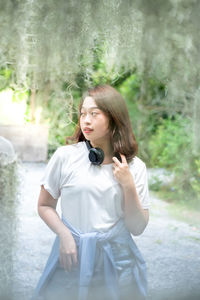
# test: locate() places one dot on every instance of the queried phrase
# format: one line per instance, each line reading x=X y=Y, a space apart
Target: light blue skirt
x=64 y=284
x=128 y=275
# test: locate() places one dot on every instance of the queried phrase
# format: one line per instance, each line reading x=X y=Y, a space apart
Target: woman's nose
x=87 y=118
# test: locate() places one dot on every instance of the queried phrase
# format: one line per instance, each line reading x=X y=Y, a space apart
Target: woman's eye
x=93 y=113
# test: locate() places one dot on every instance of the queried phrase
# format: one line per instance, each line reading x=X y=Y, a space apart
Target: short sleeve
x=52 y=175
x=139 y=172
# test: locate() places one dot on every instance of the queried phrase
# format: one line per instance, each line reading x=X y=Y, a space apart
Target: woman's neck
x=106 y=147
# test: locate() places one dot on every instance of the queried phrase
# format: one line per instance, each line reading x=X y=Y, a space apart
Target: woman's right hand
x=68 y=251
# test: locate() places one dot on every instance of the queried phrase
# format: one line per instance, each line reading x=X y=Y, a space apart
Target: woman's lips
x=88 y=131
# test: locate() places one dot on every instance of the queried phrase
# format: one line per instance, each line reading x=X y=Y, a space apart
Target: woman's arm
x=47 y=211
x=136 y=218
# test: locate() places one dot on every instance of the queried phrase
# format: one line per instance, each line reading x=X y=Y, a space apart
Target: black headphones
x=96 y=155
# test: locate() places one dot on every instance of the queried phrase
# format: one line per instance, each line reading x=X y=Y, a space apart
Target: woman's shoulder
x=65 y=150
x=137 y=162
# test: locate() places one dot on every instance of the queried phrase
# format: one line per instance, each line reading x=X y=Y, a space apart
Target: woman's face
x=94 y=122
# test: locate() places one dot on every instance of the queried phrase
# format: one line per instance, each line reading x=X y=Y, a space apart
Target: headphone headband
x=89 y=146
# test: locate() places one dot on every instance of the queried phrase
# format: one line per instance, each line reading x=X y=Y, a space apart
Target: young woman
x=104 y=199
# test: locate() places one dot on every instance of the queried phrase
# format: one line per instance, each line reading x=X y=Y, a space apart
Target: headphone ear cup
x=96 y=156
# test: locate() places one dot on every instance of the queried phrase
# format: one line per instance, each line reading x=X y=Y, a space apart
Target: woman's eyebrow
x=93 y=107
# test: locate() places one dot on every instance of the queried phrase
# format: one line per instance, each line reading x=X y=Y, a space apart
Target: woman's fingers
x=123 y=158
x=68 y=261
x=61 y=260
x=116 y=161
x=75 y=259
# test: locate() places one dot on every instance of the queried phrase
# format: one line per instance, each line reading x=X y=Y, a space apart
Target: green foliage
x=171 y=148
x=195 y=180
x=155 y=184
x=130 y=89
x=170 y=144
x=20 y=95
x=5 y=77
x=144 y=101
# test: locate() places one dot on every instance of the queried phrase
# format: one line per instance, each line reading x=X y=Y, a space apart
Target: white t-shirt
x=90 y=195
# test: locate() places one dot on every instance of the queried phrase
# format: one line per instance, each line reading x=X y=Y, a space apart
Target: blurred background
x=52 y=51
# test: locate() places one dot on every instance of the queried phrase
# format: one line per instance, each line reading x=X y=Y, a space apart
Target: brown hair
x=113 y=105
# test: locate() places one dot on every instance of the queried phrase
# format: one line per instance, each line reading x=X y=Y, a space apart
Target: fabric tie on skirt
x=87 y=243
